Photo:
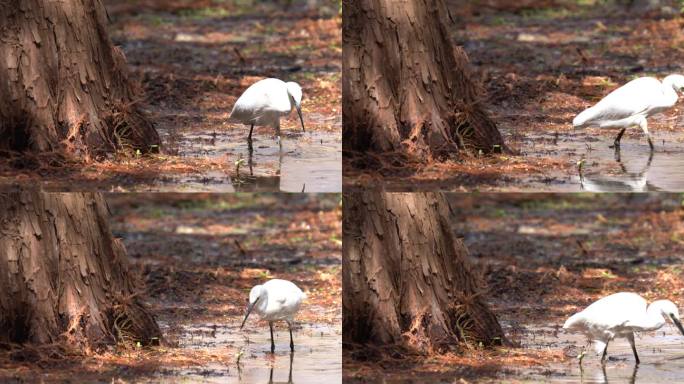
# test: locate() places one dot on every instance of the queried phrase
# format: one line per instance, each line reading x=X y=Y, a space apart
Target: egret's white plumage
x=265 y=101
x=620 y=315
x=275 y=300
x=631 y=104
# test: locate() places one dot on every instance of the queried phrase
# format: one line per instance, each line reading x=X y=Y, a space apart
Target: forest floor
x=192 y=60
x=546 y=257
x=539 y=67
x=198 y=255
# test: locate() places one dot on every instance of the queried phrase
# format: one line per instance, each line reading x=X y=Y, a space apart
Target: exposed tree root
x=131 y=324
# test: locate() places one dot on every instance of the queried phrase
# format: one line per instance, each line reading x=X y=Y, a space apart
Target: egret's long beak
x=249 y=310
x=677 y=323
x=299 y=112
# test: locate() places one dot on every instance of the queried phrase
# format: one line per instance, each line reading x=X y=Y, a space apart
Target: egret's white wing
x=245 y=112
x=636 y=97
x=614 y=311
x=268 y=95
x=277 y=97
x=285 y=294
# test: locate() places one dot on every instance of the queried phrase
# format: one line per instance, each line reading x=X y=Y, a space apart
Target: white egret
x=275 y=300
x=631 y=104
x=264 y=102
x=620 y=315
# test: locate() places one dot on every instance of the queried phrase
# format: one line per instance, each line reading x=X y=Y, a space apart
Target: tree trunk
x=406 y=278
x=63 y=277
x=63 y=86
x=405 y=87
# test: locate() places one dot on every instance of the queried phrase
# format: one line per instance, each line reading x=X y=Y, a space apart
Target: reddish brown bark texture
x=63 y=277
x=406 y=278
x=63 y=85
x=405 y=87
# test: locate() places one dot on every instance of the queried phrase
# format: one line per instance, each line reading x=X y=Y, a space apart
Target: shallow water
x=308 y=161
x=661 y=354
x=317 y=357
x=633 y=169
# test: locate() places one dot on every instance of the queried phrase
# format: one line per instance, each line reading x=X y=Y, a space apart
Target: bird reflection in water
x=602 y=377
x=289 y=376
x=625 y=181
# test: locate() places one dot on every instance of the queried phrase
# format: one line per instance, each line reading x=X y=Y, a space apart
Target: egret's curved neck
x=263 y=301
x=669 y=89
x=654 y=318
x=668 y=82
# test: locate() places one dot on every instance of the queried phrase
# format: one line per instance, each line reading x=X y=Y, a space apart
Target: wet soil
x=192 y=60
x=197 y=256
x=540 y=65
x=544 y=257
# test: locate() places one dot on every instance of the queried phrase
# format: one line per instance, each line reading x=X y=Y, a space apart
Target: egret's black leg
x=632 y=380
x=605 y=354
x=289 y=377
x=616 y=143
x=250 y=153
x=650 y=143
x=636 y=356
x=270 y=324
x=605 y=375
x=617 y=154
x=289 y=326
x=650 y=158
x=249 y=138
x=630 y=338
x=250 y=162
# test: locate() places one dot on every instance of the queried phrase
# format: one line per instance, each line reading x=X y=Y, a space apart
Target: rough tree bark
x=405 y=87
x=63 y=277
x=406 y=278
x=63 y=85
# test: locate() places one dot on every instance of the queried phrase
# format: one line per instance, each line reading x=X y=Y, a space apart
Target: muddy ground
x=192 y=59
x=544 y=258
x=540 y=64
x=197 y=256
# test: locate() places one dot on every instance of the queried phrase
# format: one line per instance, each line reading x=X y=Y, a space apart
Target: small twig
x=239 y=247
x=239 y=55
x=581 y=246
